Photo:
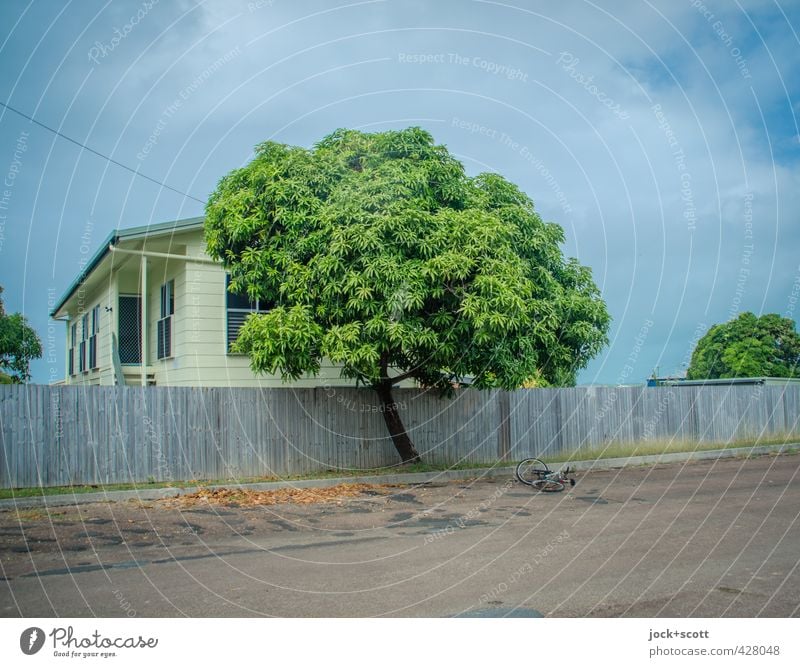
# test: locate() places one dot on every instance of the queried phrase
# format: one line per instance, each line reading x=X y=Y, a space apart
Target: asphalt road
x=707 y=539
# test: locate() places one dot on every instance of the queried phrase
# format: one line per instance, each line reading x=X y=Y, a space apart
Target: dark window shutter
x=236 y=320
x=164 y=337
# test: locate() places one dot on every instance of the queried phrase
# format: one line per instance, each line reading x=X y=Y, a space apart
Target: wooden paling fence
x=60 y=435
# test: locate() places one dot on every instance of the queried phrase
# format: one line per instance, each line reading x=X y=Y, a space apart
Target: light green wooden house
x=151 y=308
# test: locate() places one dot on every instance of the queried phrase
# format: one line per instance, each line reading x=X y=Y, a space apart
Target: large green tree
x=18 y=345
x=380 y=253
x=748 y=346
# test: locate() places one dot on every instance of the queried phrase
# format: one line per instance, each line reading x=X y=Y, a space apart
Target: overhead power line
x=99 y=154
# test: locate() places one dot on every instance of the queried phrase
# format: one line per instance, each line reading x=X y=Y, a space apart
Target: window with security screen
x=73 y=342
x=129 y=313
x=164 y=331
x=95 y=328
x=82 y=367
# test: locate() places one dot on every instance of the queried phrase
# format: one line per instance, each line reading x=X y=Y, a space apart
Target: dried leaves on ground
x=225 y=496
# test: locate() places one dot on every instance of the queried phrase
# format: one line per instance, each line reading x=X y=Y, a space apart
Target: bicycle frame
x=535 y=472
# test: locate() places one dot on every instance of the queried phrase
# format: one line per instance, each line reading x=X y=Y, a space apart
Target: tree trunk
x=403 y=444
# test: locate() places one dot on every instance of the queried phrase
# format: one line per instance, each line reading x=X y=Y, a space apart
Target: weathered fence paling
x=104 y=435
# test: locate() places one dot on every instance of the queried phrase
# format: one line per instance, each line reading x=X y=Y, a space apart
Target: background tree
x=749 y=346
x=378 y=252
x=18 y=345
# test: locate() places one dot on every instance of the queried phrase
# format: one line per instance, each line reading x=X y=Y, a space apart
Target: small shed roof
x=672 y=382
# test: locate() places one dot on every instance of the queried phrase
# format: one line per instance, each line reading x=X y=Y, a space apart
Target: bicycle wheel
x=531 y=471
x=548 y=485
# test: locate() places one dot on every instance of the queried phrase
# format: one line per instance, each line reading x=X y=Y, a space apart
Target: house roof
x=143 y=231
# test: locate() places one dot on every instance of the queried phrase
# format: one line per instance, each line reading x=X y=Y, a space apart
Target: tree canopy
x=378 y=252
x=748 y=346
x=18 y=345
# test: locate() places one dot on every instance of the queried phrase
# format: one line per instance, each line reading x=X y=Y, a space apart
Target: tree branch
x=399 y=378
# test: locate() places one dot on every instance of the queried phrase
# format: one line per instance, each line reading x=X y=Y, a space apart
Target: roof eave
x=90 y=266
x=113 y=238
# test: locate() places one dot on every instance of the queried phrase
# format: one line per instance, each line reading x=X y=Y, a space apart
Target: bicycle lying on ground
x=535 y=473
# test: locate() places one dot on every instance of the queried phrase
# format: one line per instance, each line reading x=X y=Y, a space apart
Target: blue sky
x=663 y=136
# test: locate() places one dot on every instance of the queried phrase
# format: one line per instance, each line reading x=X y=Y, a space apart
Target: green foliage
x=380 y=253
x=18 y=345
x=749 y=346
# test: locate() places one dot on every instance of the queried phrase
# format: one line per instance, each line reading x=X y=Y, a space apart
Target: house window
x=82 y=347
x=238 y=307
x=93 y=337
x=165 y=323
x=73 y=340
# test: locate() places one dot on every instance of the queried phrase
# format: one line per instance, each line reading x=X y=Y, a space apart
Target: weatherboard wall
x=199 y=355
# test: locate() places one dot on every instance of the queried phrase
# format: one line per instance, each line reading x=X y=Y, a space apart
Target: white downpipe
x=144 y=329
x=111 y=327
x=67 y=377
